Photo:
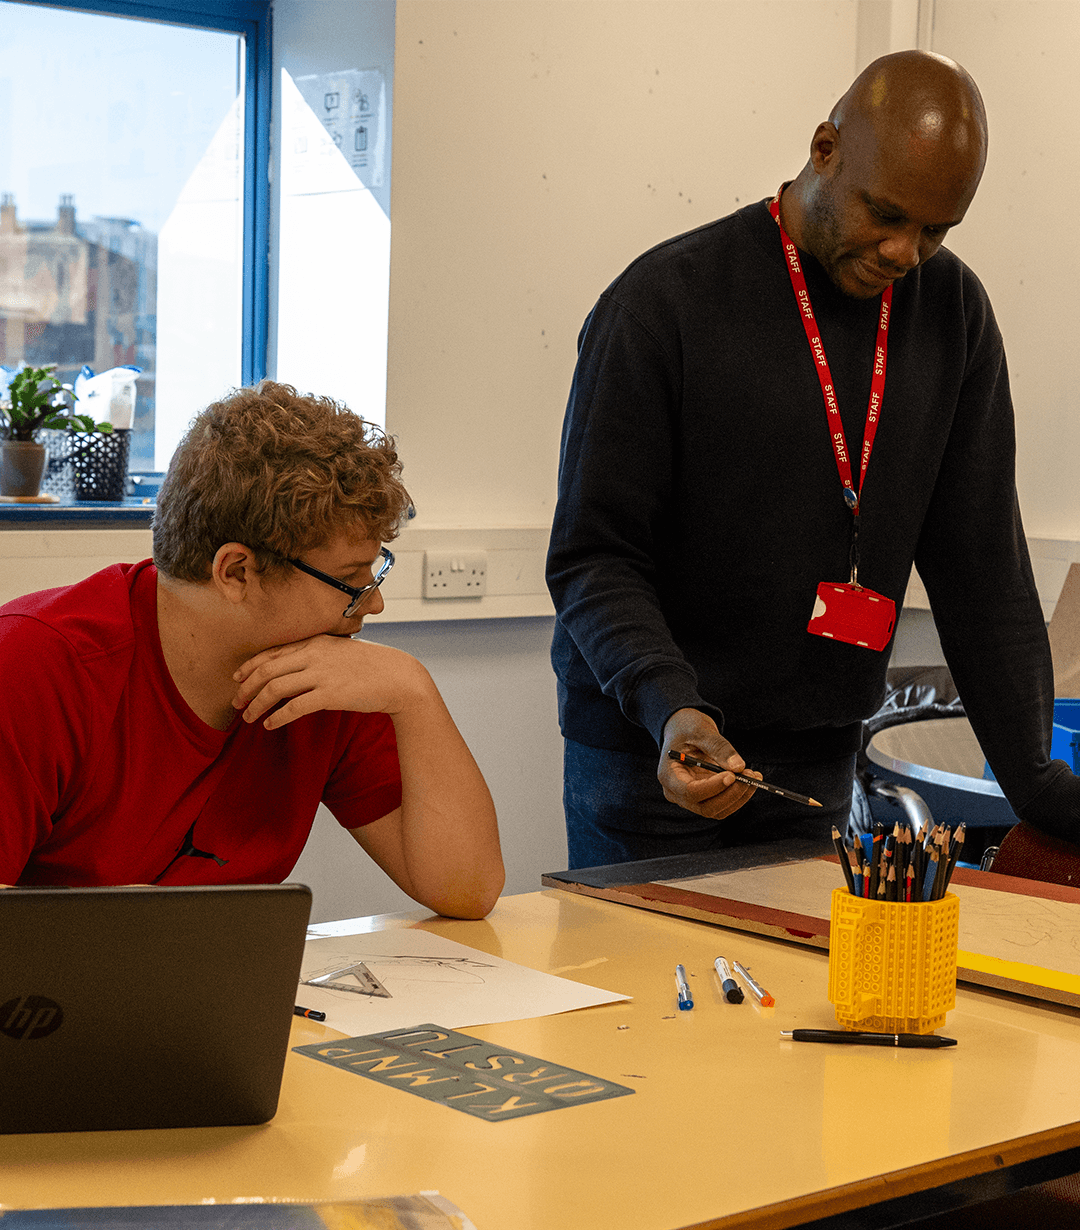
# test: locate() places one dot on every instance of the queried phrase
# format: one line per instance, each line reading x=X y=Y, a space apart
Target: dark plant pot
x=22 y=463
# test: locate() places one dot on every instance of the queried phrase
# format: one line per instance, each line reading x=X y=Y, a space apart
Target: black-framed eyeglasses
x=357 y=595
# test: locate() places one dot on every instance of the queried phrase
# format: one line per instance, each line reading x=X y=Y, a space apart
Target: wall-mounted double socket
x=455 y=574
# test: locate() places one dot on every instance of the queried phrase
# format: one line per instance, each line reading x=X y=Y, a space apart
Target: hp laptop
x=146 y=1007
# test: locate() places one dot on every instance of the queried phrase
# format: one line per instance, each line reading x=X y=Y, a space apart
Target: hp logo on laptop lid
x=29 y=1017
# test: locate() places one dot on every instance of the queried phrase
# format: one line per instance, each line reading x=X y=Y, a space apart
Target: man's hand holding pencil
x=716 y=792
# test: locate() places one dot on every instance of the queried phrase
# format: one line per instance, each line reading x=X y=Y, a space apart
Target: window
x=133 y=154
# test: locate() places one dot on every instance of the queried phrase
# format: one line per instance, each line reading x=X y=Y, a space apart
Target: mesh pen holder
x=58 y=478
x=100 y=464
x=892 y=965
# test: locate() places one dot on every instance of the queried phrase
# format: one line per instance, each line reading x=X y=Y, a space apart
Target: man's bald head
x=895 y=165
x=917 y=107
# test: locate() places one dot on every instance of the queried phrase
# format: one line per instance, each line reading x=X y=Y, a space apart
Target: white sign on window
x=351 y=106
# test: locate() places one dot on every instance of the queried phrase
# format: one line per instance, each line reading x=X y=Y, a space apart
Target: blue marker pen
x=686 y=1000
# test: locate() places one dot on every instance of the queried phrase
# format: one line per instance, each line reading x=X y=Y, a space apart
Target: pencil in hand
x=683 y=758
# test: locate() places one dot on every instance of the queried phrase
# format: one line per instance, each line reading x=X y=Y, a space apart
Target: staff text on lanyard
x=866 y=618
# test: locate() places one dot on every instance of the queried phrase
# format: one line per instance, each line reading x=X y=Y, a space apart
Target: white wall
x=1025 y=55
x=540 y=145
x=538 y=148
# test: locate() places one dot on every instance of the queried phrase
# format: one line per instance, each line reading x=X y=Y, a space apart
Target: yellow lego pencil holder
x=892 y=965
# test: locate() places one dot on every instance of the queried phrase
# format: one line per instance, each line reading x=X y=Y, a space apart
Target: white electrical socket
x=455 y=574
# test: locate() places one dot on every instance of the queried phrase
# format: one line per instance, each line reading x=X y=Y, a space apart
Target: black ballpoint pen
x=857 y=1037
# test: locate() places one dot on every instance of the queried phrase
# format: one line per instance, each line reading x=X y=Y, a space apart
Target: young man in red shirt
x=179 y=720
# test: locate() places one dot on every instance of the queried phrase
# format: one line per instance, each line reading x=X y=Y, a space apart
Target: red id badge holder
x=848 y=612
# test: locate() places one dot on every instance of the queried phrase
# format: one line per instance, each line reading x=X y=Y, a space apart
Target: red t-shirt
x=107 y=776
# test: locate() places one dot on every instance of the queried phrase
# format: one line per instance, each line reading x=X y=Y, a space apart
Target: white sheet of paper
x=430 y=978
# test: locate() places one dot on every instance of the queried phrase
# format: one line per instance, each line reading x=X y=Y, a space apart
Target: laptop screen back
x=146 y=1007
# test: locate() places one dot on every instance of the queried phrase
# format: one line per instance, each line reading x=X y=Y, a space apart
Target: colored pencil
x=845 y=866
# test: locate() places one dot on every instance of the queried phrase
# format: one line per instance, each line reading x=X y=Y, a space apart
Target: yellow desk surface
x=729 y=1125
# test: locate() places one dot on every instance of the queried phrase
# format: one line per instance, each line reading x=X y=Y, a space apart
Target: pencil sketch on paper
x=357 y=975
x=1008 y=926
x=1014 y=927
x=427 y=977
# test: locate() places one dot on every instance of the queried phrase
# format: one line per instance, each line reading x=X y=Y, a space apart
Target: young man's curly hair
x=280 y=473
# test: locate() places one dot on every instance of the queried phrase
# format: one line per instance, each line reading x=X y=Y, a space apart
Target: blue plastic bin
x=1065 y=741
x=1065 y=744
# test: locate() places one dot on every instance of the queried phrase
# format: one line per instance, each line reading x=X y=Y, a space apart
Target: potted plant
x=35 y=399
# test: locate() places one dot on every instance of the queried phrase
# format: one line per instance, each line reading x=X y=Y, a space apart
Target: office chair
x=915 y=693
x=1033 y=855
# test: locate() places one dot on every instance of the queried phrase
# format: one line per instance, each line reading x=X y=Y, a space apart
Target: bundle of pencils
x=901 y=865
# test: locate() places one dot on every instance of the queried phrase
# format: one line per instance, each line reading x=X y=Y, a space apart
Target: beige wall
x=538 y=148
x=541 y=144
x=1025 y=55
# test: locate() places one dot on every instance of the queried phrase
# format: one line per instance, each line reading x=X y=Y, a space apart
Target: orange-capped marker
x=756 y=989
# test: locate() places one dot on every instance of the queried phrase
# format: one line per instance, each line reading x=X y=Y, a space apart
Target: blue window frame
x=250 y=19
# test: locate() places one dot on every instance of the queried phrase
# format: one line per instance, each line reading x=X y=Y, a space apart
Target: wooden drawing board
x=1015 y=935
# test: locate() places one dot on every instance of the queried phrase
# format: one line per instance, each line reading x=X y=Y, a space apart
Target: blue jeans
x=616 y=811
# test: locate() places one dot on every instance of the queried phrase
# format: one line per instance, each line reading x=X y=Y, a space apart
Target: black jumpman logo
x=188 y=850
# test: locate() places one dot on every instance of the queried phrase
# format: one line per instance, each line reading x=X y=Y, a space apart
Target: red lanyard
x=828 y=389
